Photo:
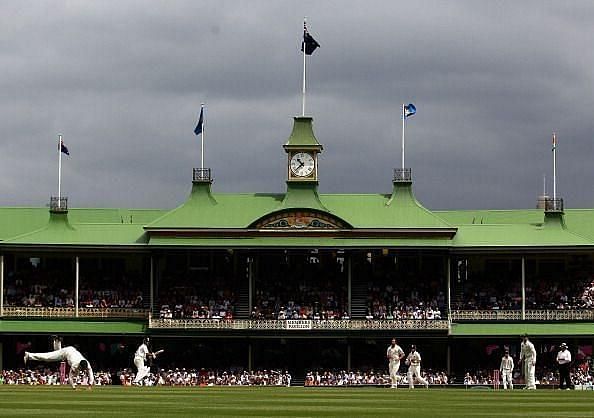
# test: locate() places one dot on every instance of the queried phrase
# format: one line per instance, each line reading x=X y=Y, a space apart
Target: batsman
x=140 y=356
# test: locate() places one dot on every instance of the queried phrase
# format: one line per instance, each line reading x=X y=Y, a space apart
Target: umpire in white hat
x=564 y=361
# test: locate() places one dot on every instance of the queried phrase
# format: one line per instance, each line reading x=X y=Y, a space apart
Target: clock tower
x=302 y=150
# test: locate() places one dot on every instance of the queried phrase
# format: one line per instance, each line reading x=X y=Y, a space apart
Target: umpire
x=564 y=360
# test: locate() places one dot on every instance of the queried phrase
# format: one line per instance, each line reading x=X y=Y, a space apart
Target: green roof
x=302 y=135
x=203 y=210
x=206 y=210
x=91 y=227
x=398 y=210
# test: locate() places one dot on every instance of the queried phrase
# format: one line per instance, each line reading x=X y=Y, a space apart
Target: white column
x=523 y=288
x=449 y=284
x=350 y=284
x=76 y=282
x=152 y=286
x=250 y=262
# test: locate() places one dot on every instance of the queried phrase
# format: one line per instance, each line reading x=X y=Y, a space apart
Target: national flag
x=554 y=142
x=309 y=44
x=198 y=129
x=409 y=110
x=63 y=148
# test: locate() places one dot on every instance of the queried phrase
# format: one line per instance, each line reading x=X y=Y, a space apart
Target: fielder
x=75 y=360
x=414 y=368
x=528 y=360
x=394 y=354
x=140 y=356
x=507 y=368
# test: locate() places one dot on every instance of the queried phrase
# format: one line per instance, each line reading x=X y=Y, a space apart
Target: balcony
x=553 y=205
x=69 y=312
x=532 y=315
x=201 y=175
x=402 y=175
x=298 y=324
x=58 y=204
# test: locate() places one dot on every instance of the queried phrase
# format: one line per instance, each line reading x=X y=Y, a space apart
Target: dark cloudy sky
x=123 y=82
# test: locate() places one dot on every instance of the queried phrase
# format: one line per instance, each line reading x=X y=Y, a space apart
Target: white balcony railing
x=301 y=324
x=69 y=312
x=516 y=315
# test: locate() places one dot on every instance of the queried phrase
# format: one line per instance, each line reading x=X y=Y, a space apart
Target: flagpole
x=304 y=68
x=202 y=136
x=403 y=120
x=554 y=167
x=59 y=168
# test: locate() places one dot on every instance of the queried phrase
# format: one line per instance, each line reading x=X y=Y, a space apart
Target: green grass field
x=114 y=401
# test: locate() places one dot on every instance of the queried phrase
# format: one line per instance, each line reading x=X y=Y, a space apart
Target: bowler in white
x=75 y=360
x=394 y=354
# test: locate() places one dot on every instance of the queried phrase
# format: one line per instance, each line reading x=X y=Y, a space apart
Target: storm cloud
x=123 y=82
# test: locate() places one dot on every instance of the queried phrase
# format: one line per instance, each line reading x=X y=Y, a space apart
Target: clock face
x=302 y=164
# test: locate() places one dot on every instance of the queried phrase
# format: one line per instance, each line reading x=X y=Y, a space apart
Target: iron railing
x=402 y=175
x=553 y=205
x=301 y=324
x=70 y=312
x=530 y=315
x=58 y=204
x=201 y=175
x=533 y=315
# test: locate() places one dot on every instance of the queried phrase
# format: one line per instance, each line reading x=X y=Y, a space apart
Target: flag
x=309 y=44
x=409 y=110
x=63 y=148
x=554 y=142
x=198 y=129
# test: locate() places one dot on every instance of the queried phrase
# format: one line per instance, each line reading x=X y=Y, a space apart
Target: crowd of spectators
x=179 y=305
x=202 y=377
x=38 y=288
x=544 y=376
x=588 y=296
x=542 y=293
x=282 y=300
x=418 y=299
x=46 y=376
x=192 y=295
x=403 y=311
x=362 y=378
x=478 y=377
x=324 y=307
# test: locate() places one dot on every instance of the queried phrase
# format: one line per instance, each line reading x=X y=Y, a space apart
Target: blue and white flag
x=198 y=129
x=409 y=110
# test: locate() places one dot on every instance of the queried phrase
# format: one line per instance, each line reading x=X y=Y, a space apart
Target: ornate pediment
x=300 y=219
